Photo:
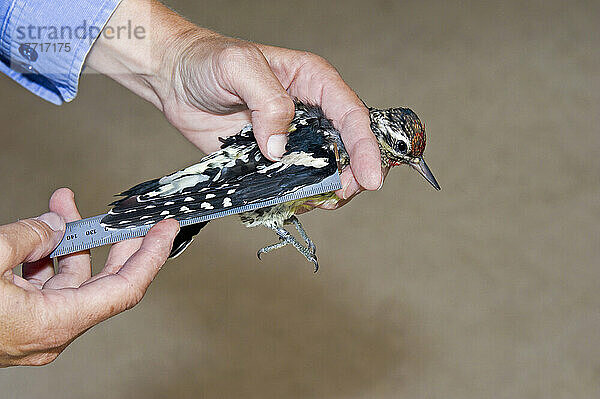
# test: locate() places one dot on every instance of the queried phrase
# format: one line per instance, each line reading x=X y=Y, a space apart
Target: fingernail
x=344 y=189
x=276 y=145
x=350 y=189
x=55 y=222
x=345 y=186
x=380 y=184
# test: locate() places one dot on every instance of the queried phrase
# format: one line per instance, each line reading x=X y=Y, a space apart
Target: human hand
x=43 y=312
x=209 y=86
x=222 y=84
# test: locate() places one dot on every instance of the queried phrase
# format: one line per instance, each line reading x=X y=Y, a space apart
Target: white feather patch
x=304 y=159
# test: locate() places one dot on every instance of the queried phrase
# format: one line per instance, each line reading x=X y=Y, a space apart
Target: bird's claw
x=316 y=263
x=269 y=248
x=308 y=251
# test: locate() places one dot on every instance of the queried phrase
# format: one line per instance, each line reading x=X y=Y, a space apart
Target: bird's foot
x=312 y=258
x=269 y=248
x=286 y=238
x=311 y=245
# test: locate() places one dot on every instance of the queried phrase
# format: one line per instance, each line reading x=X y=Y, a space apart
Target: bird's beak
x=420 y=166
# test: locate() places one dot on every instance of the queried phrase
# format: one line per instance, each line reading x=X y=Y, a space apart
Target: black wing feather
x=243 y=183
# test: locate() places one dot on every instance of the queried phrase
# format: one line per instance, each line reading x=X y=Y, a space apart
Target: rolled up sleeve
x=44 y=43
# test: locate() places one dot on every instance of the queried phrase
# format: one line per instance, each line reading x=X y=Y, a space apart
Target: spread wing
x=236 y=175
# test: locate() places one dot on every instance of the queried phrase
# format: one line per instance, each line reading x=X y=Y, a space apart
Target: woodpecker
x=225 y=178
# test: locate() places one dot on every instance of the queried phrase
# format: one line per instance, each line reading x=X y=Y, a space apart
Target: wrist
x=141 y=45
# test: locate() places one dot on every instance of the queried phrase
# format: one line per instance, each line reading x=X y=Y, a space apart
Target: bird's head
x=401 y=137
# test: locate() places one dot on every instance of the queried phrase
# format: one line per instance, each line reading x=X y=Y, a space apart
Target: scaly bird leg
x=307 y=240
x=286 y=238
x=269 y=248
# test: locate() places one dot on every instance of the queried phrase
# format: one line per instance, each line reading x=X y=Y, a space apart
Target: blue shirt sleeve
x=43 y=43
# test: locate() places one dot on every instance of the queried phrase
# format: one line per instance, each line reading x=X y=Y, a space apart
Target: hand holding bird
x=235 y=174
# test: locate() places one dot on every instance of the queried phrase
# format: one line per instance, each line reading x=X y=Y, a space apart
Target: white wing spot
x=209 y=196
x=188 y=199
x=183 y=209
x=304 y=159
x=150 y=206
x=163 y=213
x=226 y=202
x=206 y=205
x=169 y=203
x=231 y=191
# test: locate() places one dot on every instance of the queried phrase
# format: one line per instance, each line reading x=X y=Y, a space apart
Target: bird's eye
x=401 y=146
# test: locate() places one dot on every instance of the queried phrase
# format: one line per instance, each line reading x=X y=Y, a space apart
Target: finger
x=117 y=256
x=349 y=185
x=39 y=272
x=114 y=293
x=141 y=268
x=75 y=268
x=29 y=240
x=22 y=283
x=351 y=118
x=119 y=253
x=272 y=109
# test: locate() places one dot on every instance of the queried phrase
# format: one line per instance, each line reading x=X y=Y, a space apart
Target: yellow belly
x=306 y=204
x=278 y=215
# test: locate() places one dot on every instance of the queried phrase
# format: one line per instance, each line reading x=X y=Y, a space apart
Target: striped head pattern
x=402 y=139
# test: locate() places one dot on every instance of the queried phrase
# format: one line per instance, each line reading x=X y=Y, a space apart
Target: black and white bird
x=238 y=171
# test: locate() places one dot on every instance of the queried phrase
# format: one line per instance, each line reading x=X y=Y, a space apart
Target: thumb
x=29 y=240
x=271 y=121
x=271 y=107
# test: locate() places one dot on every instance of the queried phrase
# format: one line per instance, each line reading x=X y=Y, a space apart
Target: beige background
x=487 y=289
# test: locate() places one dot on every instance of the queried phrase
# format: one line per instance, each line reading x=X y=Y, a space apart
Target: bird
x=237 y=171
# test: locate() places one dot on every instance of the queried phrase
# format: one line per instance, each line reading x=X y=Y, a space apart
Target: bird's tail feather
x=185 y=238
